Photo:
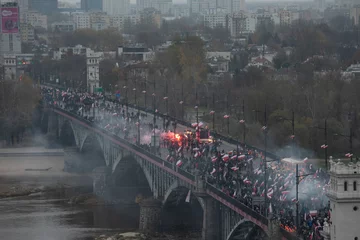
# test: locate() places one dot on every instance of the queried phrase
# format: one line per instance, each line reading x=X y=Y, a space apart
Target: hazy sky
x=132 y=1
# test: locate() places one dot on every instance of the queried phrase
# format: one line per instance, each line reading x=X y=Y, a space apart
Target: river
x=50 y=216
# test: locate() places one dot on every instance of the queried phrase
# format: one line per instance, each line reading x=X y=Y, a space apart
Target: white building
x=136 y=53
x=63 y=26
x=344 y=195
x=93 y=60
x=36 y=19
x=59 y=53
x=81 y=20
x=355 y=15
x=288 y=17
x=213 y=20
x=15 y=64
x=119 y=21
x=114 y=7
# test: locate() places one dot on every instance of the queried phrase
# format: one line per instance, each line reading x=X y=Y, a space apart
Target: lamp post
x=265 y=160
x=154 y=123
x=138 y=132
x=243 y=122
x=292 y=120
x=182 y=101
x=196 y=107
x=126 y=101
x=298 y=180
x=325 y=146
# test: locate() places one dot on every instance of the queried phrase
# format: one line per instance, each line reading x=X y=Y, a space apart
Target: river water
x=50 y=216
x=54 y=219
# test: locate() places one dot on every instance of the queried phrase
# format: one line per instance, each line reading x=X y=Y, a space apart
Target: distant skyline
x=132 y=1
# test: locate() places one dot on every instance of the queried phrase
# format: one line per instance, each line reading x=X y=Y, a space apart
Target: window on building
x=354 y=186
x=345 y=186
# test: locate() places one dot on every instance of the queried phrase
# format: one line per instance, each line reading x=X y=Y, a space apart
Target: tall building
x=91 y=5
x=344 y=195
x=142 y=4
x=35 y=19
x=114 y=7
x=355 y=15
x=44 y=6
x=81 y=20
x=23 y=5
x=10 y=38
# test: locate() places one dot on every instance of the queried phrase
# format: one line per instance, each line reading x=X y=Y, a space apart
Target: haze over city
x=205 y=120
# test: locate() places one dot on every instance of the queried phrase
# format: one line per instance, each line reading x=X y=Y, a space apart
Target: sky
x=132 y=1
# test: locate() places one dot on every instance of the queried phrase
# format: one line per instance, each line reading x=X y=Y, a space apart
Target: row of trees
x=18 y=101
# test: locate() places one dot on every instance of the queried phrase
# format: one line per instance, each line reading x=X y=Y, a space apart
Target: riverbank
x=155 y=236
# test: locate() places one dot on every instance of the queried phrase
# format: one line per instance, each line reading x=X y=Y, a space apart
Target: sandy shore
x=23 y=175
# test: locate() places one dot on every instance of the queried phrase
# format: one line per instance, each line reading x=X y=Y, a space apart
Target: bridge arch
x=246 y=229
x=180 y=215
x=129 y=180
x=67 y=134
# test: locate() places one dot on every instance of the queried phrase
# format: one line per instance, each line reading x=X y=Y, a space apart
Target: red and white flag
x=270 y=208
x=188 y=197
x=179 y=163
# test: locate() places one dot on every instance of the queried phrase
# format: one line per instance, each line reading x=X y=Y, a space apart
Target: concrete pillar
x=150 y=212
x=274 y=229
x=100 y=176
x=71 y=154
x=211 y=217
x=52 y=124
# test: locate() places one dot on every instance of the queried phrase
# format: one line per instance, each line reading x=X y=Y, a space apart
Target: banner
x=10 y=19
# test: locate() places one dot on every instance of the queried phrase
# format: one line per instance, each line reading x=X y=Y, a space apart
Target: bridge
x=116 y=160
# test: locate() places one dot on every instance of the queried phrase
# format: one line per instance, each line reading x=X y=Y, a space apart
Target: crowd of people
x=240 y=173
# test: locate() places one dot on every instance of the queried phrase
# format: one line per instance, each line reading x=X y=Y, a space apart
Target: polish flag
x=349 y=155
x=181 y=102
x=235 y=168
x=313 y=213
x=180 y=148
x=293 y=200
x=213 y=171
x=256 y=182
x=270 y=208
x=285 y=192
x=225 y=158
x=212 y=112
x=241 y=157
x=197 y=154
x=262 y=184
x=242 y=121
x=234 y=193
x=233 y=157
x=168 y=158
x=213 y=159
x=179 y=163
x=324 y=146
x=188 y=197
x=226 y=116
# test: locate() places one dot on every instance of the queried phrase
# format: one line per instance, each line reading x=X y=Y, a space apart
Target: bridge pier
x=150 y=212
x=274 y=229
x=100 y=177
x=71 y=154
x=211 y=210
x=53 y=126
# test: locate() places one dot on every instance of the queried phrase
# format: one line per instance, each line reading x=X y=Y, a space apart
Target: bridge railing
x=213 y=133
x=184 y=123
x=238 y=204
x=130 y=145
x=214 y=190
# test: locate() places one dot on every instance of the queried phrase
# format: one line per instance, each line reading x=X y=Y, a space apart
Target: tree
x=279 y=59
x=17 y=103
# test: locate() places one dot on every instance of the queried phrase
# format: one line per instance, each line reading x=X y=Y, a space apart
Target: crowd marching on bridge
x=238 y=173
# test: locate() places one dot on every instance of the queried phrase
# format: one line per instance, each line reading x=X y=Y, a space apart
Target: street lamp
x=126 y=101
x=298 y=180
x=324 y=146
x=242 y=121
x=292 y=120
x=134 y=89
x=138 y=132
